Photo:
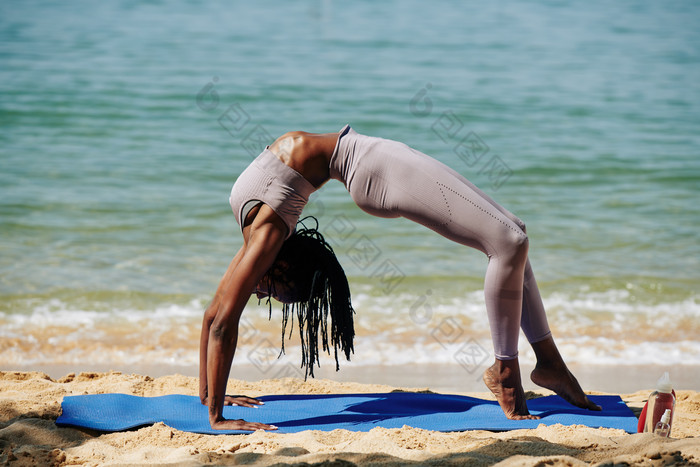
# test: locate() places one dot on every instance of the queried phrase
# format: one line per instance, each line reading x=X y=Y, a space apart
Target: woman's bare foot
x=503 y=379
x=551 y=372
x=564 y=384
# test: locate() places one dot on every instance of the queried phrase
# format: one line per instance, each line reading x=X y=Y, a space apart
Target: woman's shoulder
x=307 y=153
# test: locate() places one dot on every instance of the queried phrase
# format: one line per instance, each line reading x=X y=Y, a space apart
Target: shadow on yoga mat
x=355 y=412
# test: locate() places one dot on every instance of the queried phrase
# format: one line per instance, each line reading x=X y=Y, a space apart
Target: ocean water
x=124 y=125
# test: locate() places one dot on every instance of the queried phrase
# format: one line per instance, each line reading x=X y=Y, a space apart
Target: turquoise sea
x=124 y=125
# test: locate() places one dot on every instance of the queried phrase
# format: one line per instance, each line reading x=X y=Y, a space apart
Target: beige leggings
x=389 y=179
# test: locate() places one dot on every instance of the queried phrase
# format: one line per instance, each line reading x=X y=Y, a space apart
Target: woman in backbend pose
x=387 y=179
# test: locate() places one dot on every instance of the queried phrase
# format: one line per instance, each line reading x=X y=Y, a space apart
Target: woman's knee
x=516 y=245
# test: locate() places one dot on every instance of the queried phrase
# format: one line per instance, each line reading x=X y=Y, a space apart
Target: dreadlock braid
x=319 y=287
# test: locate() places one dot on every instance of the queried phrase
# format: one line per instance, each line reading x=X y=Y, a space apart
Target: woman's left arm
x=208 y=319
x=265 y=238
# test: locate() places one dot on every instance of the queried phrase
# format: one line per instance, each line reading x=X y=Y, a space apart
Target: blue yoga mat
x=355 y=412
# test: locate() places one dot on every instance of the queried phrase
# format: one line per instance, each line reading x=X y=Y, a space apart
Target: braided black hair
x=317 y=285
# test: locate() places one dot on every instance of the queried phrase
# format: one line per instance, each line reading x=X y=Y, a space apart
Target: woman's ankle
x=547 y=354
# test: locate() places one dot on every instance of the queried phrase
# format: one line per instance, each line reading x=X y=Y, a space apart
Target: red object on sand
x=642 y=418
x=643 y=415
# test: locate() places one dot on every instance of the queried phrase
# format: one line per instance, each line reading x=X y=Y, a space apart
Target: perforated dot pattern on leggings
x=441 y=185
x=449 y=212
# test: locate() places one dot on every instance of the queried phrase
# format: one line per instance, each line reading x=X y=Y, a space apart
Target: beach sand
x=30 y=402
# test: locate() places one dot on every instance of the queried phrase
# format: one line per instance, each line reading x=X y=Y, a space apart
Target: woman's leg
x=398 y=180
x=437 y=197
x=475 y=221
x=550 y=371
x=533 y=320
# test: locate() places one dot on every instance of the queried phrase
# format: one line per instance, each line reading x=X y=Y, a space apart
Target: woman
x=387 y=179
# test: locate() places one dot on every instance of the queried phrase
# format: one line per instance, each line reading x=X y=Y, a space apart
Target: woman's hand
x=241 y=401
x=240 y=424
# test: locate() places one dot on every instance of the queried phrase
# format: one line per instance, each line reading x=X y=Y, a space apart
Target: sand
x=30 y=402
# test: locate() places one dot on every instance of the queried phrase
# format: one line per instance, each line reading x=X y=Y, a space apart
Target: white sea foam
x=605 y=328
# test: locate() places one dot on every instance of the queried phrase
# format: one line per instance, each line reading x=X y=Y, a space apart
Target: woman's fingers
x=243 y=401
x=241 y=424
